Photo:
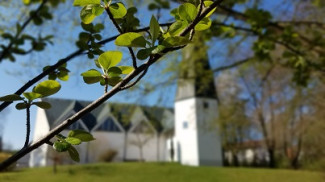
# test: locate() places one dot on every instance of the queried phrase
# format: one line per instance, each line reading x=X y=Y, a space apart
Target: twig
x=199 y=18
x=7 y=49
x=63 y=61
x=27 y=125
x=221 y=68
x=134 y=59
x=49 y=143
x=136 y=81
x=42 y=75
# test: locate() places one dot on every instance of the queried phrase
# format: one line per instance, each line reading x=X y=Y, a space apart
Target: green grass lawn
x=157 y=172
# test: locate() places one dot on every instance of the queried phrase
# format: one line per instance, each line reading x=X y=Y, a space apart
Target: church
x=186 y=133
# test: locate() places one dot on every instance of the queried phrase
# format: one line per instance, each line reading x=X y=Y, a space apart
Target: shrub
x=4 y=156
x=107 y=156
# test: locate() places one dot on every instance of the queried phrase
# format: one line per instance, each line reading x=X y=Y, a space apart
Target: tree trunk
x=141 y=154
x=54 y=166
x=272 y=161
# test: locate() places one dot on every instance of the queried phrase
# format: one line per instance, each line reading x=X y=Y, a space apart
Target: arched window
x=109 y=125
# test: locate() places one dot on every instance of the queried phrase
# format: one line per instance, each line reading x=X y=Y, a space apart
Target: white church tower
x=197 y=141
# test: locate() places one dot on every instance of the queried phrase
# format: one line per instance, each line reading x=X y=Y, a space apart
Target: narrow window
x=185 y=125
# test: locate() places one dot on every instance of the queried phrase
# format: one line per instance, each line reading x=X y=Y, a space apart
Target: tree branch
x=7 y=49
x=63 y=61
x=27 y=126
x=134 y=59
x=199 y=18
x=233 y=65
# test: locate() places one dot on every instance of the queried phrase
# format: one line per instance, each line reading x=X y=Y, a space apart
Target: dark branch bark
x=238 y=63
x=134 y=59
x=27 y=126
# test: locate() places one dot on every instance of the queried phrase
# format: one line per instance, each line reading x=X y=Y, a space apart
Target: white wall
x=104 y=142
x=149 y=149
x=186 y=138
x=199 y=142
x=209 y=141
x=38 y=156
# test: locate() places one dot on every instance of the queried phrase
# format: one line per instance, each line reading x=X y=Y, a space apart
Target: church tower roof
x=195 y=77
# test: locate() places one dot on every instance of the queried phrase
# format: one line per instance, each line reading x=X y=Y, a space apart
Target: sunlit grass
x=157 y=172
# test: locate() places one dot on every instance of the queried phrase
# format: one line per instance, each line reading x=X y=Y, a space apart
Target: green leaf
x=118 y=10
x=114 y=80
x=187 y=12
x=154 y=29
x=97 y=10
x=32 y=96
x=61 y=146
x=175 y=41
x=84 y=136
x=52 y=76
x=131 y=39
x=114 y=71
x=85 y=2
x=207 y=4
x=10 y=98
x=26 y=2
x=126 y=69
x=48 y=87
x=158 y=49
x=98 y=27
x=91 y=76
x=73 y=140
x=86 y=14
x=21 y=106
x=177 y=27
x=174 y=13
x=109 y=59
x=63 y=75
x=204 y=24
x=43 y=105
x=74 y=154
x=103 y=82
x=145 y=53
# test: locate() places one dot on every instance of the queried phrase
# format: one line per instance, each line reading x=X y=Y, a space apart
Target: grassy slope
x=154 y=172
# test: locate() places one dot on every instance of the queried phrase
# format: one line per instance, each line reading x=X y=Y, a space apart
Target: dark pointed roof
x=195 y=75
x=63 y=108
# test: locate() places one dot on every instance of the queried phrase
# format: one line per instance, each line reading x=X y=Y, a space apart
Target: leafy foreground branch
x=63 y=61
x=176 y=40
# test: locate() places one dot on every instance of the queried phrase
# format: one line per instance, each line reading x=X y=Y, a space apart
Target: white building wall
x=39 y=156
x=153 y=150
x=209 y=142
x=104 y=142
x=149 y=148
x=186 y=132
x=162 y=148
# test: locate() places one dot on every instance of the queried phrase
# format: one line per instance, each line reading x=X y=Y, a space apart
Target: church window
x=205 y=105
x=76 y=126
x=185 y=125
x=108 y=125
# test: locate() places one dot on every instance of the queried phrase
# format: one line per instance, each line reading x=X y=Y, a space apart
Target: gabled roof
x=63 y=108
